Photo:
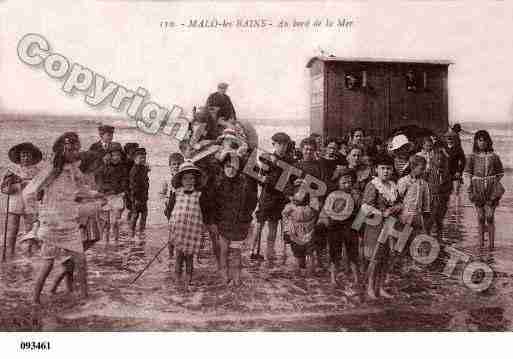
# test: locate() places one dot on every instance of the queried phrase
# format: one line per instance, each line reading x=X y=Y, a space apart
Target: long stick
x=5 y=227
x=149 y=263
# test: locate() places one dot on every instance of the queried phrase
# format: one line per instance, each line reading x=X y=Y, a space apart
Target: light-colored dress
x=26 y=174
x=59 y=213
x=381 y=196
x=416 y=199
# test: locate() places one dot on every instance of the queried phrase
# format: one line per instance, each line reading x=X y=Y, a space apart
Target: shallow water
x=269 y=299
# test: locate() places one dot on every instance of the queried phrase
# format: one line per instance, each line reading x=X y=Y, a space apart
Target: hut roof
x=377 y=60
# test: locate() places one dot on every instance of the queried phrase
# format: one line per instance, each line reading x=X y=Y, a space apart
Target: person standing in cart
x=222 y=102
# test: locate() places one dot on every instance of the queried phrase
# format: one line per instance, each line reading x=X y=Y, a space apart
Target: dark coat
x=233 y=203
x=139 y=183
x=112 y=179
x=98 y=147
x=271 y=198
x=456 y=160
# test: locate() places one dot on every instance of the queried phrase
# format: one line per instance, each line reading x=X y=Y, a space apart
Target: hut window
x=353 y=80
x=411 y=81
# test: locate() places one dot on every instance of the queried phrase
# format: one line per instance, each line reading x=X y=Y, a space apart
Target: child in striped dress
x=484 y=171
x=188 y=215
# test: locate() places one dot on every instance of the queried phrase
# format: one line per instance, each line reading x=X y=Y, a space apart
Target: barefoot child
x=439 y=179
x=129 y=150
x=59 y=214
x=139 y=184
x=175 y=160
x=112 y=181
x=25 y=156
x=414 y=192
x=299 y=221
x=234 y=199
x=484 y=170
x=380 y=193
x=188 y=209
x=338 y=215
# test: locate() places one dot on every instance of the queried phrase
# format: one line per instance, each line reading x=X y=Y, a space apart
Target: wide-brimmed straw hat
x=229 y=133
x=36 y=154
x=399 y=141
x=187 y=167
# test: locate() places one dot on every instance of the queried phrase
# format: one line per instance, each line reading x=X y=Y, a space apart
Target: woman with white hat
x=400 y=148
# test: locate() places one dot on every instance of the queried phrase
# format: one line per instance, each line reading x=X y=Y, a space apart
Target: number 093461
x=35 y=345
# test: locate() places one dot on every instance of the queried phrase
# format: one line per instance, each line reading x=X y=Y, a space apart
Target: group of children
x=83 y=194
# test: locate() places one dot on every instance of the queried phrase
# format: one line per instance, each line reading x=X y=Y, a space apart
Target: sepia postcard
x=273 y=166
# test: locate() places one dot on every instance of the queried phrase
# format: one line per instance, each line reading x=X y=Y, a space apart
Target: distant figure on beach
x=139 y=184
x=222 y=101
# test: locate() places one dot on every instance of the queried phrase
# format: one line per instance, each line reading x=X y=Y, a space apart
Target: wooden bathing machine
x=379 y=95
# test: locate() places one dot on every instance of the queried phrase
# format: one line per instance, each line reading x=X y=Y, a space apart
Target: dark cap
x=347 y=172
x=105 y=129
x=383 y=160
x=140 y=151
x=115 y=146
x=130 y=146
x=456 y=128
x=281 y=137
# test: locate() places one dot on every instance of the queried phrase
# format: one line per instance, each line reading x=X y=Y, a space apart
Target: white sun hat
x=398 y=141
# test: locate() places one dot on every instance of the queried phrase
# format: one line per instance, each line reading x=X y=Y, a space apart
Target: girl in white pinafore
x=64 y=186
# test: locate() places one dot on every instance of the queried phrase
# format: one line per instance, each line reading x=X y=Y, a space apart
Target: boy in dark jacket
x=272 y=200
x=111 y=180
x=139 y=184
x=234 y=198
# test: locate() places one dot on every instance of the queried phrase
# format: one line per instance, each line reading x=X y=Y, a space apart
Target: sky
x=125 y=42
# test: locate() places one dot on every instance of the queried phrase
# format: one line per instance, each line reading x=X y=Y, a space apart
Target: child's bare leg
x=310 y=263
x=105 y=225
x=142 y=221
x=180 y=260
x=271 y=239
x=41 y=279
x=356 y=272
x=13 y=227
x=235 y=264
x=385 y=268
x=189 y=261
x=481 y=224
x=114 y=217
x=68 y=267
x=223 y=258
x=170 y=249
x=490 y=221
x=258 y=235
x=133 y=224
x=80 y=264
